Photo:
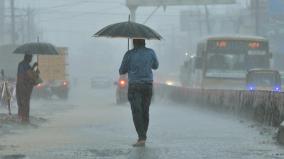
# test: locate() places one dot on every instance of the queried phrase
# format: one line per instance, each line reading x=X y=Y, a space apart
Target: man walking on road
x=138 y=64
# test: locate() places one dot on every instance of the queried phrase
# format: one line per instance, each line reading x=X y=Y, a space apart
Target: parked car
x=263 y=79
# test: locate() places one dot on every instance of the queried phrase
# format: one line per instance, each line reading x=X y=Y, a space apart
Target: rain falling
x=141 y=79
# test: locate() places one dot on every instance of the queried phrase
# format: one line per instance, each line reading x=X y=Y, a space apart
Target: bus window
x=216 y=61
x=257 y=61
x=225 y=62
x=198 y=63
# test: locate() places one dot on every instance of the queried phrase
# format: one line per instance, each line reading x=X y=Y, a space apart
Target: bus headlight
x=170 y=83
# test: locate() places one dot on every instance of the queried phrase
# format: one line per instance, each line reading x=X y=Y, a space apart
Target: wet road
x=89 y=125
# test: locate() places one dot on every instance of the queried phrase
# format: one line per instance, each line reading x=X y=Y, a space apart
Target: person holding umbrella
x=2 y=75
x=26 y=79
x=27 y=76
x=138 y=64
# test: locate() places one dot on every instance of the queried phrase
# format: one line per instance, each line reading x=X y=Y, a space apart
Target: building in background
x=275 y=31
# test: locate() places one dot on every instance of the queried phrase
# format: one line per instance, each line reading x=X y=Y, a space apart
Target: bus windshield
x=235 y=62
x=223 y=62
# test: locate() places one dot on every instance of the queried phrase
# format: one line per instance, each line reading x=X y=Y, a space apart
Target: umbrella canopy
x=36 y=48
x=130 y=30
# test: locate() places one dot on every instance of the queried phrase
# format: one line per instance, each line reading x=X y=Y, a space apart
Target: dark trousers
x=139 y=96
x=23 y=95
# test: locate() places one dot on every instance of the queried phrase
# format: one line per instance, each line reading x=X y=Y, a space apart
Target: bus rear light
x=254 y=45
x=221 y=44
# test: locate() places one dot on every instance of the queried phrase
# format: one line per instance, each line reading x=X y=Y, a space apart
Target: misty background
x=71 y=23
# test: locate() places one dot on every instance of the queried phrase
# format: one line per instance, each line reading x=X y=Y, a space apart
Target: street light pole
x=255 y=7
x=207 y=19
x=29 y=24
x=257 y=17
x=13 y=32
x=132 y=13
x=2 y=19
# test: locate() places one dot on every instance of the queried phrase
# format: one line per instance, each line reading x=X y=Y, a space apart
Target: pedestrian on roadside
x=26 y=79
x=138 y=64
x=2 y=75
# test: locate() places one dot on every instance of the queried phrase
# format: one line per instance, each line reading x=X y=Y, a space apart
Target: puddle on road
x=147 y=153
x=11 y=125
x=15 y=156
x=110 y=153
x=4 y=147
x=11 y=120
x=103 y=153
x=131 y=153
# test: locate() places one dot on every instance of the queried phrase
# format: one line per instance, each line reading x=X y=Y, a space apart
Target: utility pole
x=13 y=30
x=207 y=19
x=2 y=19
x=255 y=7
x=199 y=21
x=257 y=17
x=133 y=10
x=30 y=23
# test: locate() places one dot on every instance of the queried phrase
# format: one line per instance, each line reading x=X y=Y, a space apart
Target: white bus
x=221 y=62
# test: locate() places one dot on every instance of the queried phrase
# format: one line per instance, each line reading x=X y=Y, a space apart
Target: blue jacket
x=23 y=67
x=138 y=63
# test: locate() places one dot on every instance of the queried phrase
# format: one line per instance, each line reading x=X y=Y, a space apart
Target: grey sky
x=71 y=23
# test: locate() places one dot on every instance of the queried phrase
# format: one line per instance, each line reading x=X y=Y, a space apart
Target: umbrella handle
x=37 y=59
x=128 y=38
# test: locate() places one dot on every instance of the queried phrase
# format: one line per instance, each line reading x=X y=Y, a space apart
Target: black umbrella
x=128 y=30
x=36 y=48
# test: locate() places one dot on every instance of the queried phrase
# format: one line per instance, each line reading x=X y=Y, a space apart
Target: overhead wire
x=58 y=8
x=99 y=12
x=80 y=2
x=153 y=12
